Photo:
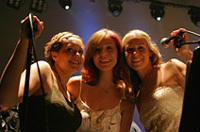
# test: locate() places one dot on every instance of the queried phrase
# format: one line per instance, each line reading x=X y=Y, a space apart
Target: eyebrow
x=140 y=43
x=108 y=43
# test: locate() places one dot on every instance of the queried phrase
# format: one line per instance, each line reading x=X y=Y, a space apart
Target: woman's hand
x=184 y=51
x=25 y=27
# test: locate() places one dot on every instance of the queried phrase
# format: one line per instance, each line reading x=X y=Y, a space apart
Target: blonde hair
x=131 y=76
x=156 y=58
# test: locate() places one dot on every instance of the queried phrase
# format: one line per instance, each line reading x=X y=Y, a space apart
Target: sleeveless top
x=98 y=121
x=51 y=112
x=162 y=109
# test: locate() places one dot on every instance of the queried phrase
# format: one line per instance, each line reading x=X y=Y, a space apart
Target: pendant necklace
x=108 y=91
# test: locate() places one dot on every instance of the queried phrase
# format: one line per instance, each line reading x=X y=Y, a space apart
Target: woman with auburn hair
x=100 y=90
x=158 y=86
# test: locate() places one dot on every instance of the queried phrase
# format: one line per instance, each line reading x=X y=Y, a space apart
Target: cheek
x=114 y=54
x=82 y=59
x=127 y=56
x=94 y=58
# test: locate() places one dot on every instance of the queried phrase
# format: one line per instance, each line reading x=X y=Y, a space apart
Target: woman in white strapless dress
x=158 y=86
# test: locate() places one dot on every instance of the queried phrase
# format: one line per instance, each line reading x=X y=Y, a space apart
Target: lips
x=137 y=61
x=75 y=62
x=105 y=61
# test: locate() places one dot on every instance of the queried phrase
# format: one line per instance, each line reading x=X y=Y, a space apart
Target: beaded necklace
x=59 y=79
x=64 y=88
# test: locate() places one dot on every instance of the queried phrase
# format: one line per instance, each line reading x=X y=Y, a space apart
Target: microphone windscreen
x=165 y=42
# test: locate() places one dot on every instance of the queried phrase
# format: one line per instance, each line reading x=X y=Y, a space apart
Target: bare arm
x=11 y=76
x=127 y=111
x=73 y=86
x=179 y=70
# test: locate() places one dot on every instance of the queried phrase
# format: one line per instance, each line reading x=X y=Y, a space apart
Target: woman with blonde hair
x=158 y=86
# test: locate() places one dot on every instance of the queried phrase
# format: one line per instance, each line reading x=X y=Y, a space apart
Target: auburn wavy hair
x=90 y=73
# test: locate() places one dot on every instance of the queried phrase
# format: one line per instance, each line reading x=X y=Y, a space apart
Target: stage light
x=195 y=16
x=14 y=3
x=66 y=4
x=115 y=7
x=37 y=5
x=157 y=11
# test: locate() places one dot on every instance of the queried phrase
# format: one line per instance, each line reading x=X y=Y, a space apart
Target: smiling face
x=70 y=57
x=137 y=54
x=105 y=56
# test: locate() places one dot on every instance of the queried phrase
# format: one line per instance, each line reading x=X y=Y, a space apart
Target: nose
x=102 y=53
x=77 y=53
x=134 y=52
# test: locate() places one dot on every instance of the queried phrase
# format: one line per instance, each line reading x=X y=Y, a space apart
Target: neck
x=145 y=72
x=62 y=77
x=106 y=78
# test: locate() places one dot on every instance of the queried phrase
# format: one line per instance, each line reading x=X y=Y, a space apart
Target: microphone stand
x=31 y=54
x=28 y=64
x=190 y=32
x=179 y=44
x=191 y=42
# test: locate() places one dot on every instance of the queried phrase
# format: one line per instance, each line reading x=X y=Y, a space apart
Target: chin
x=105 y=69
x=136 y=68
x=75 y=69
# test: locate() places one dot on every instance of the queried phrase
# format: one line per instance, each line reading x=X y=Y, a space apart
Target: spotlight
x=14 y=3
x=157 y=11
x=37 y=5
x=115 y=7
x=195 y=16
x=66 y=4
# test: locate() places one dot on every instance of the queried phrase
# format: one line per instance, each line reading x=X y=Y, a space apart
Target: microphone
x=165 y=41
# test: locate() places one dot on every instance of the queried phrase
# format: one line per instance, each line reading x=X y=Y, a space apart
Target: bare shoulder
x=44 y=64
x=175 y=66
x=44 y=67
x=175 y=63
x=73 y=85
x=74 y=80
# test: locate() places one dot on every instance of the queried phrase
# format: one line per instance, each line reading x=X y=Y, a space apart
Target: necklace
x=143 y=83
x=59 y=79
x=69 y=97
x=107 y=91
